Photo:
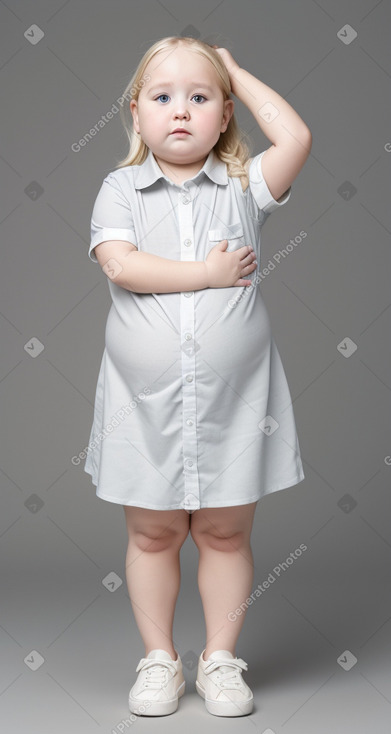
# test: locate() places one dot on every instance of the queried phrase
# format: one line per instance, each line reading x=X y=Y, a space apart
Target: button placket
x=191 y=499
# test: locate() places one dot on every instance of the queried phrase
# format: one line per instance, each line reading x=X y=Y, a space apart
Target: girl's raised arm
x=291 y=138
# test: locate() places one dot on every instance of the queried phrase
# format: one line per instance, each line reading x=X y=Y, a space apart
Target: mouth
x=180 y=131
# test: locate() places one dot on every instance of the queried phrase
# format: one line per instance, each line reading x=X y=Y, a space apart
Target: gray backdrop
x=317 y=641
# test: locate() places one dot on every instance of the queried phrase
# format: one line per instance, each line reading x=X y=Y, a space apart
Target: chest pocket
x=233 y=233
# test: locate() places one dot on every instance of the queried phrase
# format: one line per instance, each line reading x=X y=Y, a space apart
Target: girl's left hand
x=231 y=65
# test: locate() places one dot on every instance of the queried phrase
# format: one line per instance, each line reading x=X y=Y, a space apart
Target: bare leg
x=153 y=572
x=225 y=571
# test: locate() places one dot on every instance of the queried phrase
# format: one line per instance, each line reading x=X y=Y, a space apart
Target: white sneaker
x=159 y=685
x=220 y=683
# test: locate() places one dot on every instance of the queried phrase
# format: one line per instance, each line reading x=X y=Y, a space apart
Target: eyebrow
x=170 y=84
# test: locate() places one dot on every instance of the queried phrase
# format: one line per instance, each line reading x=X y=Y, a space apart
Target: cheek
x=149 y=118
x=212 y=116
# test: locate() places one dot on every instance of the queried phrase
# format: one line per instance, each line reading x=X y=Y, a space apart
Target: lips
x=180 y=130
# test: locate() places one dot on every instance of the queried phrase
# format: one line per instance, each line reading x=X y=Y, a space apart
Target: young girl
x=193 y=420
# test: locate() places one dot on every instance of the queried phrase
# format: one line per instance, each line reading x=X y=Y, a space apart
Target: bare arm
x=143 y=272
x=291 y=138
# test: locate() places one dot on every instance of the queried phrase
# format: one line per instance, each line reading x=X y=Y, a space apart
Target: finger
x=245 y=258
x=249 y=269
x=249 y=259
x=243 y=281
x=248 y=250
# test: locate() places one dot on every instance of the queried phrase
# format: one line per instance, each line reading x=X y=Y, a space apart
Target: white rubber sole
x=156 y=708
x=225 y=708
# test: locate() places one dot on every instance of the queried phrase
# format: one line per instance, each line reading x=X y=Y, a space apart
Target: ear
x=229 y=106
x=134 y=111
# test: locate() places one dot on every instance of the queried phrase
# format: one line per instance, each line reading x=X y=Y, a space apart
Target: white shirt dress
x=192 y=405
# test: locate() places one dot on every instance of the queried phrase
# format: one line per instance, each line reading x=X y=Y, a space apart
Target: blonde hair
x=231 y=147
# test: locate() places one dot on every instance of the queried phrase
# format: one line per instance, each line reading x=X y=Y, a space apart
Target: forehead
x=181 y=64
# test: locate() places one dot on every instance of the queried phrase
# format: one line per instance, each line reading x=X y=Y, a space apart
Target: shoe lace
x=228 y=678
x=157 y=671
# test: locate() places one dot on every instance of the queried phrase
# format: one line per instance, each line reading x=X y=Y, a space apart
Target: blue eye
x=194 y=95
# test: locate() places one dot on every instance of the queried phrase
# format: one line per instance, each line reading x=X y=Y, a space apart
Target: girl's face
x=183 y=92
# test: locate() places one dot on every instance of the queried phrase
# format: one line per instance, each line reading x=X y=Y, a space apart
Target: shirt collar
x=149 y=171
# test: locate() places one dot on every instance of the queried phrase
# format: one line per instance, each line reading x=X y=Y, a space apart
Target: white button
x=188 y=336
x=189 y=378
x=188 y=294
x=190 y=422
x=187 y=243
x=189 y=462
x=185 y=199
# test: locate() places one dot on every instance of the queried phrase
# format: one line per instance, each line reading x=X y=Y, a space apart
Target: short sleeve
x=111 y=216
x=260 y=190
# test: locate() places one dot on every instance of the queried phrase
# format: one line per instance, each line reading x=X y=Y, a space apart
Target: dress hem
x=296 y=479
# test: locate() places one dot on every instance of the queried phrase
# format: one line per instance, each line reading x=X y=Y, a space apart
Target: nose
x=181 y=111
x=182 y=115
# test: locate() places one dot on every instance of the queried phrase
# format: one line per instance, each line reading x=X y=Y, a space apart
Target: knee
x=152 y=542
x=154 y=531
x=227 y=542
